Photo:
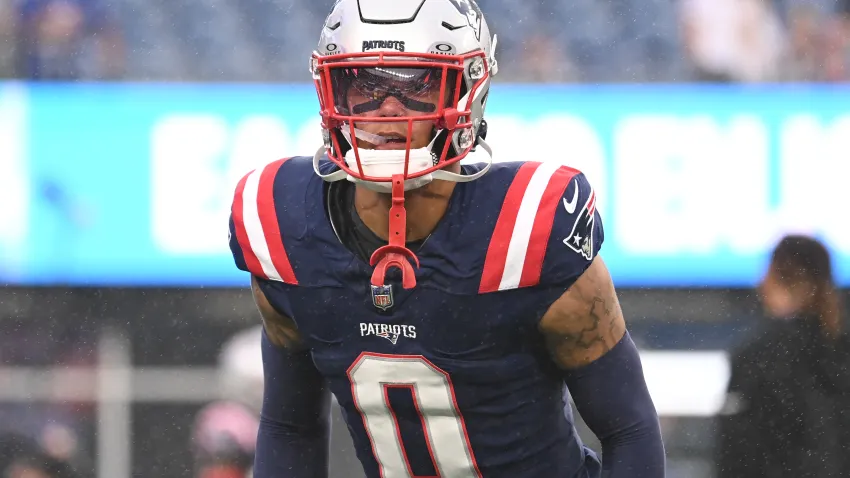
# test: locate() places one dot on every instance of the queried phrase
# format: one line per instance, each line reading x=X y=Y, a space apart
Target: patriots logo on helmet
x=472 y=13
x=580 y=239
x=382 y=297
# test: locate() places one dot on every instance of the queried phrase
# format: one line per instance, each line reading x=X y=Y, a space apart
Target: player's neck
x=425 y=207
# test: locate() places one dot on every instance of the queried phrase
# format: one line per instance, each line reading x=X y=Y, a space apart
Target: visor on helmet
x=362 y=91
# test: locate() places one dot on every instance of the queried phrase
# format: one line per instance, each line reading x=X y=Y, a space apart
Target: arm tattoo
x=280 y=329
x=591 y=328
x=586 y=322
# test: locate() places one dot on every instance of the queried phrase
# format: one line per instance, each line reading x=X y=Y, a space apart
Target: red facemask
x=373 y=105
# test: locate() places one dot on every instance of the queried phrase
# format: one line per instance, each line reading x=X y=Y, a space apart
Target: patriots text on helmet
x=383 y=44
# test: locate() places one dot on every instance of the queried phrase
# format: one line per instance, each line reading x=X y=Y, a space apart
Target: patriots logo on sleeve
x=580 y=239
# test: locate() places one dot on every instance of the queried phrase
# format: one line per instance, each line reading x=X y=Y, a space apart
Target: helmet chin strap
x=386 y=187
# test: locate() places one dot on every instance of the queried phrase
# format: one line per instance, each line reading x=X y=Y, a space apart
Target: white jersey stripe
x=253 y=227
x=518 y=247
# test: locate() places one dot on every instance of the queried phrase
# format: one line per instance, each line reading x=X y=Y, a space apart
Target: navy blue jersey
x=450 y=378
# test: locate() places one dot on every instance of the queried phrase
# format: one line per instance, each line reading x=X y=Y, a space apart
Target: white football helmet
x=406 y=49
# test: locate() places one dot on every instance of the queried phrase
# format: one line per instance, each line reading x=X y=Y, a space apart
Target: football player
x=448 y=307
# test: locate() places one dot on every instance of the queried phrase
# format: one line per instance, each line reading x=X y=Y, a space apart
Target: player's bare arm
x=586 y=321
x=280 y=329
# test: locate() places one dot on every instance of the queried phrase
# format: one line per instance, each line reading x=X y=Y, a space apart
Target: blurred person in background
x=33 y=337
x=836 y=45
x=21 y=457
x=68 y=40
x=804 y=57
x=544 y=61
x=225 y=431
x=732 y=40
x=786 y=410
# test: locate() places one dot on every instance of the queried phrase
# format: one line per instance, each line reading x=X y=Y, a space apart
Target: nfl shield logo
x=382 y=296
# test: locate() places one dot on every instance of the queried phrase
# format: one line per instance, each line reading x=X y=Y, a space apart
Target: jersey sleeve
x=256 y=241
x=547 y=231
x=235 y=248
x=577 y=234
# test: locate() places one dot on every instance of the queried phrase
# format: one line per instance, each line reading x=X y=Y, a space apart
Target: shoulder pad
x=548 y=230
x=258 y=211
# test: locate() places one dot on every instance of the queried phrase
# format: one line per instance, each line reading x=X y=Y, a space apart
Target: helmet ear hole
x=482 y=131
x=440 y=143
x=344 y=145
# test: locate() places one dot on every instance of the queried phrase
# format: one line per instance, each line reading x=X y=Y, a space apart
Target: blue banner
x=131 y=184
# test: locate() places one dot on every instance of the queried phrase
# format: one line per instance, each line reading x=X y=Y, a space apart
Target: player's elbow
x=638 y=424
x=631 y=416
x=634 y=448
x=612 y=397
x=632 y=423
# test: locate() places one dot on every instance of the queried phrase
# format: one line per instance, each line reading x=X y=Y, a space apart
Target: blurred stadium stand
x=269 y=40
x=547 y=41
x=264 y=40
